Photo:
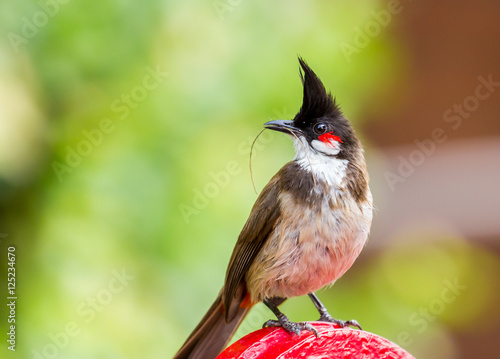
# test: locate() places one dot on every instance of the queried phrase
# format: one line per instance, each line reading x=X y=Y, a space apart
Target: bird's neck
x=323 y=167
x=344 y=174
x=329 y=169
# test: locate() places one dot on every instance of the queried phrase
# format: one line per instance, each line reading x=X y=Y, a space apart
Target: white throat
x=328 y=168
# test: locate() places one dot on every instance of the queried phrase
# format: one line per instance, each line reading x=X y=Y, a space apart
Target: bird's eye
x=320 y=128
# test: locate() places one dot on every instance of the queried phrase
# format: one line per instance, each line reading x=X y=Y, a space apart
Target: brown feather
x=261 y=222
x=212 y=334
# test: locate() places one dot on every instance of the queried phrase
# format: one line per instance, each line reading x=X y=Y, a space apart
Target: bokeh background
x=125 y=130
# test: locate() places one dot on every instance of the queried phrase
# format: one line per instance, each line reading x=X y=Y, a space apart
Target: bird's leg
x=285 y=323
x=326 y=317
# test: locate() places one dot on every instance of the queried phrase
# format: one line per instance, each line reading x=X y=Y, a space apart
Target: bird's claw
x=291 y=327
x=341 y=323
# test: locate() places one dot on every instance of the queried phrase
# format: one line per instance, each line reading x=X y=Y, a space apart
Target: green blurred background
x=124 y=148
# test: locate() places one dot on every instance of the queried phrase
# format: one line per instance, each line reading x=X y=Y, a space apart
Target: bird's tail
x=212 y=334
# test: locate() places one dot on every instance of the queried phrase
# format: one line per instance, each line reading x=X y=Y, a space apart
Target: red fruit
x=334 y=342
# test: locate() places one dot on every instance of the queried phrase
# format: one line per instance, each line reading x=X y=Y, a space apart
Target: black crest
x=316 y=101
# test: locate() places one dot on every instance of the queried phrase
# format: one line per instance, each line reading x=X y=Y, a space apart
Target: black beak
x=282 y=126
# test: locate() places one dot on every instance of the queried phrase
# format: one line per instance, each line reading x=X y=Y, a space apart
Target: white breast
x=308 y=250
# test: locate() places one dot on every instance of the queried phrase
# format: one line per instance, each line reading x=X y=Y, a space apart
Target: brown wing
x=261 y=222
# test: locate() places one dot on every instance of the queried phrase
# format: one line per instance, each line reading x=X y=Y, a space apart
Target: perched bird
x=305 y=230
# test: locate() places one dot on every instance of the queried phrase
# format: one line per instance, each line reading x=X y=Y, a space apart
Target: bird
x=305 y=230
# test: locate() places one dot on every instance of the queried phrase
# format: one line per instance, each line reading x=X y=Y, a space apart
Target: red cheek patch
x=329 y=139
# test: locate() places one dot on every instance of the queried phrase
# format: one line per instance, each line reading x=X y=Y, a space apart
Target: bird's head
x=319 y=125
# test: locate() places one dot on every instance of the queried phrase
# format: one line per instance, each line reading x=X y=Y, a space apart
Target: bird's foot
x=326 y=317
x=291 y=327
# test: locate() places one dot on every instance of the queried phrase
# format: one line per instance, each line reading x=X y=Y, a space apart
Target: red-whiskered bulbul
x=305 y=230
